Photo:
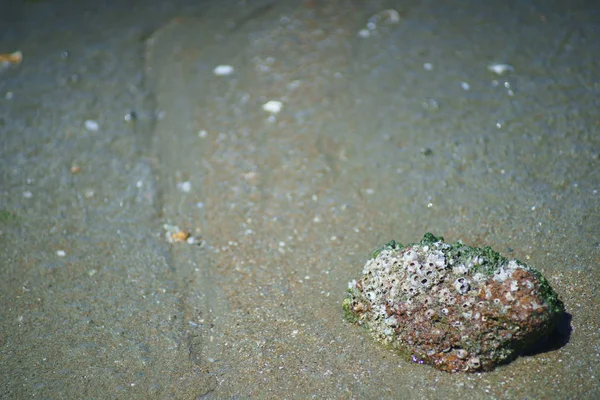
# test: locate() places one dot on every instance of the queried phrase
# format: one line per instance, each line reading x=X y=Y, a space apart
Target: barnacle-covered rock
x=456 y=307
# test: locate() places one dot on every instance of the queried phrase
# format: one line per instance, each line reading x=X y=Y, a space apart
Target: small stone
x=223 y=70
x=364 y=33
x=272 y=106
x=184 y=187
x=456 y=307
x=91 y=125
x=130 y=116
x=500 y=69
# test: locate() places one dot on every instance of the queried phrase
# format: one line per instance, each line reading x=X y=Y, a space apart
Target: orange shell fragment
x=11 y=58
x=180 y=236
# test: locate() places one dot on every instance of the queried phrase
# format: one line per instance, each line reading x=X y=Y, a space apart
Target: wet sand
x=376 y=140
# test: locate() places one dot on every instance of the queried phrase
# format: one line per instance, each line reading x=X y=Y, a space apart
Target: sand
x=377 y=139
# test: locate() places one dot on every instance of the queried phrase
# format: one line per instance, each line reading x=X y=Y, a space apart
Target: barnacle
x=430 y=297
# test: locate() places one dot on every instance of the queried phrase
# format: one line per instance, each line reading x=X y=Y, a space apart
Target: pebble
x=272 y=106
x=184 y=187
x=364 y=33
x=130 y=116
x=223 y=70
x=91 y=125
x=500 y=69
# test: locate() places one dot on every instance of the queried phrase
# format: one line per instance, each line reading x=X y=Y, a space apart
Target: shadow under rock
x=556 y=340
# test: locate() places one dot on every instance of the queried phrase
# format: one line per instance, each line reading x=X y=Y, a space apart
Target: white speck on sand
x=91 y=125
x=184 y=187
x=364 y=33
x=500 y=69
x=272 y=106
x=223 y=70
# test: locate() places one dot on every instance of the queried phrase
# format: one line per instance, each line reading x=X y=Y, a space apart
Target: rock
x=456 y=307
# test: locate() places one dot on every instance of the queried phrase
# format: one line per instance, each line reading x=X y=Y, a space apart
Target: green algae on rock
x=456 y=307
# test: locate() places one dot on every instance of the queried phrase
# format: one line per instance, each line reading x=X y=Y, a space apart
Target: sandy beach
x=187 y=188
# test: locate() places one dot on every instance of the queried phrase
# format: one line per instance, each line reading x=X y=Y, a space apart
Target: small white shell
x=91 y=125
x=272 y=106
x=500 y=69
x=223 y=70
